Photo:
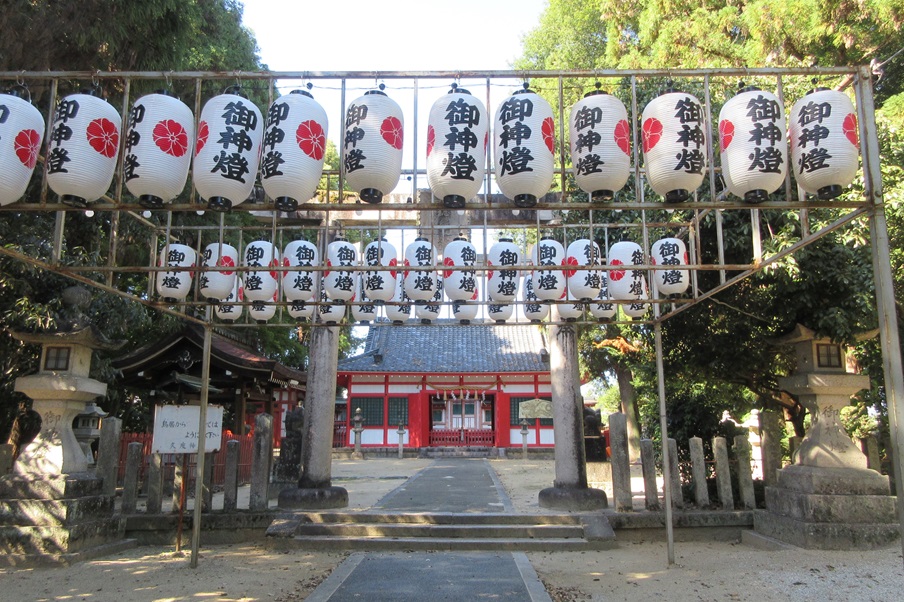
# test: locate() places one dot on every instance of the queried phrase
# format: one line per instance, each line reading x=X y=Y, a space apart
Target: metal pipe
x=666 y=460
x=202 y=440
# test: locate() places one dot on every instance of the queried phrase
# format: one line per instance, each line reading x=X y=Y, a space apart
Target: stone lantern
x=87 y=429
x=828 y=498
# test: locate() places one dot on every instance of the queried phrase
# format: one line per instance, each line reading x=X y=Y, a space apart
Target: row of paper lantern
x=234 y=142
x=417 y=280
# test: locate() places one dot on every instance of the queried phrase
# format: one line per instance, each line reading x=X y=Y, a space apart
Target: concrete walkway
x=447 y=485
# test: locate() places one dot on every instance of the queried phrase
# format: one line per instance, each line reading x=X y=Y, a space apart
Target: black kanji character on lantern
x=231 y=166
x=813 y=134
x=812 y=111
x=770 y=132
x=136 y=115
x=253 y=282
x=375 y=282
x=592 y=279
x=589 y=164
x=507 y=287
x=460 y=166
x=129 y=165
x=768 y=160
x=175 y=257
x=305 y=255
x=815 y=159
x=355 y=115
x=468 y=283
x=203 y=282
x=303 y=282
x=4 y=113
x=547 y=255
x=588 y=140
x=587 y=117
x=353 y=160
x=373 y=254
x=466 y=138
x=345 y=255
x=60 y=133
x=690 y=161
x=423 y=255
x=508 y=274
x=516 y=109
x=57 y=158
x=239 y=138
x=253 y=255
x=237 y=113
x=508 y=258
x=132 y=138
x=423 y=282
x=547 y=281
x=688 y=111
x=270 y=164
x=169 y=281
x=516 y=161
x=66 y=110
x=672 y=260
x=636 y=287
x=468 y=255
x=273 y=137
x=352 y=137
x=637 y=257
x=226 y=309
x=763 y=109
x=672 y=277
x=668 y=249
x=344 y=281
x=590 y=254
x=277 y=113
x=462 y=113
x=691 y=135
x=514 y=133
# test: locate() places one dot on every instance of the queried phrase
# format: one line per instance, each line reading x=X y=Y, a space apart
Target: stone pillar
x=108 y=453
x=155 y=484
x=206 y=490
x=569 y=490
x=621 y=469
x=723 y=473
x=315 y=489
x=698 y=469
x=130 y=484
x=675 y=475
x=179 y=475
x=231 y=484
x=261 y=462
x=745 y=476
x=771 y=426
x=648 y=466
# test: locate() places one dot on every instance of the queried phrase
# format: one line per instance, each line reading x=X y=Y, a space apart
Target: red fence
x=170 y=460
x=463 y=437
x=340 y=435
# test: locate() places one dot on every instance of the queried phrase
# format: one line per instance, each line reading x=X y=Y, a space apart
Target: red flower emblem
x=431 y=139
x=274 y=263
x=407 y=264
x=171 y=137
x=489 y=272
x=226 y=262
x=548 y=129
x=448 y=262
x=622 y=136
x=393 y=263
x=849 y=127
x=726 y=133
x=329 y=264
x=391 y=130
x=203 y=133
x=103 y=137
x=241 y=293
x=571 y=261
x=27 y=144
x=651 y=132
x=474 y=296
x=616 y=275
x=311 y=139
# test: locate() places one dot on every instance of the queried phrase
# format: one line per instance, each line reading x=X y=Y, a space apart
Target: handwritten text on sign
x=176 y=429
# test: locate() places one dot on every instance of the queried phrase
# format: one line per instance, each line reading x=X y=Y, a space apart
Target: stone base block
x=46 y=540
x=320 y=498
x=832 y=481
x=825 y=536
x=822 y=508
x=54 y=513
x=67 y=486
x=573 y=498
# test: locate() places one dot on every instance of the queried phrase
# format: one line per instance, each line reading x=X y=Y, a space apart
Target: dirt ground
x=634 y=571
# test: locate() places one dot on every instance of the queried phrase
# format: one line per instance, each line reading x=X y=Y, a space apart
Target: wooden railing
x=462 y=438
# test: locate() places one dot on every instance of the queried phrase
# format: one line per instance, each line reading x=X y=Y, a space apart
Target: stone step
x=474 y=532
x=30 y=512
x=439 y=518
x=48 y=540
x=441 y=544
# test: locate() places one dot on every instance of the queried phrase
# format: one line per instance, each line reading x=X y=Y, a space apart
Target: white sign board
x=176 y=429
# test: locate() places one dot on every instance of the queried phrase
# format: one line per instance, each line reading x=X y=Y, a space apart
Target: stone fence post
x=261 y=461
x=108 y=454
x=621 y=469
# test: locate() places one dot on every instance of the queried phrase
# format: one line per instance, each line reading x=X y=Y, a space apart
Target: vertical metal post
x=414 y=145
x=339 y=197
x=202 y=439
x=666 y=461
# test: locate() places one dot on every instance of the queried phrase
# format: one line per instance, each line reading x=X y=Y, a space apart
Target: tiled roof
x=450 y=347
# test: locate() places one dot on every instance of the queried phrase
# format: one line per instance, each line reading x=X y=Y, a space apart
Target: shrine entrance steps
x=459 y=452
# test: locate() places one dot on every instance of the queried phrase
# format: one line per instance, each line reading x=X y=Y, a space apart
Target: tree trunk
x=628 y=396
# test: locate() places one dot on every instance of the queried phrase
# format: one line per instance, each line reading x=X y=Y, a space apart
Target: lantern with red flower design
x=670 y=252
x=459 y=276
x=600 y=144
x=602 y=308
x=82 y=148
x=457 y=131
x=158 y=148
x=754 y=151
x=430 y=311
x=548 y=285
x=331 y=312
x=217 y=279
x=294 y=147
x=532 y=309
x=299 y=285
x=583 y=285
x=227 y=151
x=502 y=280
x=674 y=144
x=373 y=145
x=398 y=310
x=226 y=310
x=824 y=142
x=21 y=129
x=627 y=284
x=362 y=307
x=341 y=284
x=524 y=143
x=261 y=285
x=380 y=284
x=174 y=286
x=420 y=280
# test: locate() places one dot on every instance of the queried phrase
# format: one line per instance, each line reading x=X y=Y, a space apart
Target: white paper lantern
x=583 y=285
x=372 y=141
x=217 y=280
x=399 y=308
x=524 y=144
x=602 y=308
x=754 y=151
x=500 y=313
x=226 y=310
x=174 y=286
x=420 y=282
x=21 y=133
x=824 y=142
x=227 y=151
x=532 y=308
x=570 y=311
x=300 y=311
x=600 y=144
x=637 y=309
x=626 y=284
x=341 y=284
x=158 y=148
x=261 y=311
x=548 y=285
x=674 y=144
x=459 y=276
x=671 y=252
x=331 y=312
x=299 y=285
x=293 y=149
x=464 y=311
x=429 y=311
x=261 y=285
x=380 y=285
x=362 y=307
x=502 y=280
x=82 y=149
x=457 y=132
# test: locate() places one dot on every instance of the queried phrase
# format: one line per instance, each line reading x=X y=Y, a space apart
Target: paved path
x=448 y=485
